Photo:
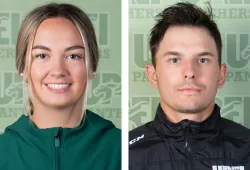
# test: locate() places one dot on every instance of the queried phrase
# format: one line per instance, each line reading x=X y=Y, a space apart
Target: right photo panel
x=189 y=85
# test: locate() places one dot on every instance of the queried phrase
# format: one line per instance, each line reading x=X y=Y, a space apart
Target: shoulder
x=7 y=146
x=8 y=137
x=137 y=134
x=5 y=139
x=94 y=118
x=108 y=136
x=105 y=128
x=235 y=130
x=142 y=135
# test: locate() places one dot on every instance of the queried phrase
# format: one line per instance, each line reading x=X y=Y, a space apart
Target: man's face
x=187 y=72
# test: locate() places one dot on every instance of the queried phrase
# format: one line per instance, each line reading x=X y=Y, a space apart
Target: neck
x=175 y=116
x=45 y=117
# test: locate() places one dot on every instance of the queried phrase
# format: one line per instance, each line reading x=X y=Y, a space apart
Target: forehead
x=187 y=39
x=59 y=30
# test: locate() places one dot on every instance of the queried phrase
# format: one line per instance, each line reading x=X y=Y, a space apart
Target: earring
x=21 y=74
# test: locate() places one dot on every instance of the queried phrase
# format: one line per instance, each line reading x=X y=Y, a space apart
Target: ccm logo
x=136 y=139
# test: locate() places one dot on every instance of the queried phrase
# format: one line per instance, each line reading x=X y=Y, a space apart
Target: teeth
x=58 y=86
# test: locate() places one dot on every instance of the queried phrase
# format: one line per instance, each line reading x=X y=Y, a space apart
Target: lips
x=190 y=90
x=58 y=87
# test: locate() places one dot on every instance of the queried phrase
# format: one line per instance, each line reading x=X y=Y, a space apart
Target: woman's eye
x=41 y=56
x=74 y=57
x=203 y=60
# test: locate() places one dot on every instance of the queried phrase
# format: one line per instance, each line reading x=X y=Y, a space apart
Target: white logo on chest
x=222 y=167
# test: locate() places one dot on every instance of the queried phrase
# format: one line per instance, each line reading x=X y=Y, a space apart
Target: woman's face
x=58 y=70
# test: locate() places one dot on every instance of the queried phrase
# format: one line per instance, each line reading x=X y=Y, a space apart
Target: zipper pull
x=58 y=139
x=185 y=126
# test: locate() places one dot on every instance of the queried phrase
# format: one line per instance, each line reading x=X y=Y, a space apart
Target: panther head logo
x=15 y=90
x=105 y=91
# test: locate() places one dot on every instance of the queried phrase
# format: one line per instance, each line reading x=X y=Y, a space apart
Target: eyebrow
x=206 y=53
x=74 y=47
x=42 y=47
x=175 y=53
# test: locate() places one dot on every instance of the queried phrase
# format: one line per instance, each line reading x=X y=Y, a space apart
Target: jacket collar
x=201 y=130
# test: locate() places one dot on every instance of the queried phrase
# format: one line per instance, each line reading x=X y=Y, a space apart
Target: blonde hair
x=26 y=37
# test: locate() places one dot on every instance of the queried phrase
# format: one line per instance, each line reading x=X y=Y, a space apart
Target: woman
x=57 y=55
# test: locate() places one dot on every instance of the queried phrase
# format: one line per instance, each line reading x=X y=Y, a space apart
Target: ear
x=91 y=75
x=24 y=75
x=151 y=74
x=223 y=73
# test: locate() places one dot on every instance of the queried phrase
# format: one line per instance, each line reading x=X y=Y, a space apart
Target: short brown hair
x=183 y=14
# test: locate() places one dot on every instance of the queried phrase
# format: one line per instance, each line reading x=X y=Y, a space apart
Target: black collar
x=198 y=130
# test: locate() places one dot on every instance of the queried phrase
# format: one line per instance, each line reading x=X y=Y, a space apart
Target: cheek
x=213 y=74
x=79 y=73
x=37 y=73
x=169 y=74
x=211 y=79
x=168 y=78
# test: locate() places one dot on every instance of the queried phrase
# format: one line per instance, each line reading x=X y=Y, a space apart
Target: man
x=188 y=132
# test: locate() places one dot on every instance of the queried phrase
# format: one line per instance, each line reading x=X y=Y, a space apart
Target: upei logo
x=142 y=110
x=101 y=24
x=11 y=89
x=237 y=49
x=104 y=88
x=142 y=54
x=235 y=2
x=145 y=2
x=9 y=24
x=235 y=108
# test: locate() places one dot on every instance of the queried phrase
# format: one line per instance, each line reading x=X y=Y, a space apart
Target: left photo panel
x=60 y=84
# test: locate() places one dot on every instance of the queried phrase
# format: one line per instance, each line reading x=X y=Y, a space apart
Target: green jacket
x=94 y=145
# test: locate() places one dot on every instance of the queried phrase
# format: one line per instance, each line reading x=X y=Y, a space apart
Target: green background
x=104 y=96
x=233 y=19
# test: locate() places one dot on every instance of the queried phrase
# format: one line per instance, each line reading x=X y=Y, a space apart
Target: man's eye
x=174 y=60
x=203 y=60
x=74 y=57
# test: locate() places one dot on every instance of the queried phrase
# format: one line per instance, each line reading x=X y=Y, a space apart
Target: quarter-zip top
x=95 y=144
x=215 y=143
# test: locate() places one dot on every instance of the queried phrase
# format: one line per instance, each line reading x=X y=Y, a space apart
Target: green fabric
x=94 y=145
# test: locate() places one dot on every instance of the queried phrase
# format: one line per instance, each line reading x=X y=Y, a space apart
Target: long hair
x=26 y=38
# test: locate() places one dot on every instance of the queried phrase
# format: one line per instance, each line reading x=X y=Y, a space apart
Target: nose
x=189 y=70
x=58 y=68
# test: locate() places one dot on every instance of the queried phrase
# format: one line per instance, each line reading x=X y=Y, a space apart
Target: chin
x=59 y=104
x=190 y=108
